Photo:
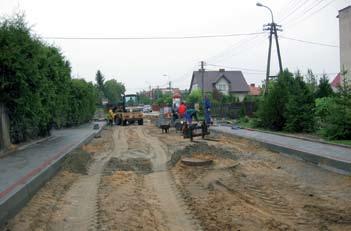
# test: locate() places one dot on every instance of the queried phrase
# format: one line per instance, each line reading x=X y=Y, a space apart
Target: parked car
x=147 y=108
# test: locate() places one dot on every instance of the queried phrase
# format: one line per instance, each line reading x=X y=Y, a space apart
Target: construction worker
x=207 y=107
x=174 y=112
x=190 y=113
x=181 y=110
x=110 y=116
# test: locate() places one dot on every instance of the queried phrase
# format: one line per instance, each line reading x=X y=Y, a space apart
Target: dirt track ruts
x=135 y=182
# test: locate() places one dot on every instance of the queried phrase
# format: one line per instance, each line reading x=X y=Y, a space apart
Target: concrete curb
x=334 y=165
x=299 y=137
x=23 y=190
x=291 y=136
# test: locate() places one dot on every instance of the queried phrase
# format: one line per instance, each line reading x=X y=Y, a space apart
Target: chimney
x=221 y=70
x=252 y=85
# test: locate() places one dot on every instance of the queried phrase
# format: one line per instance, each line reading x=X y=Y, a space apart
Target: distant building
x=345 y=39
x=226 y=82
x=336 y=83
x=104 y=101
x=156 y=92
x=254 y=91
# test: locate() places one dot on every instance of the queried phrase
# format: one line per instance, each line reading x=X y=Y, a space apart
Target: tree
x=324 y=89
x=82 y=102
x=113 y=91
x=338 y=121
x=288 y=105
x=165 y=100
x=36 y=84
x=272 y=111
x=311 y=81
x=143 y=99
x=299 y=107
x=194 y=97
x=100 y=79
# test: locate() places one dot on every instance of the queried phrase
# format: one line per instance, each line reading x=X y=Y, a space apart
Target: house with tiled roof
x=254 y=90
x=336 y=83
x=226 y=82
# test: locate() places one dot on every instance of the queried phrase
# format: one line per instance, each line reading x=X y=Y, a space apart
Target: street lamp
x=169 y=82
x=261 y=5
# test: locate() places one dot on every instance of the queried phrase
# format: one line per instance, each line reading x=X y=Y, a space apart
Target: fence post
x=4 y=128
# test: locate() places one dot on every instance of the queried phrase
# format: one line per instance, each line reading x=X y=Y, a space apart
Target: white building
x=345 y=40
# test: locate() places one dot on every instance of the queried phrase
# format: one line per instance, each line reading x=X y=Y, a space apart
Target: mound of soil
x=131 y=164
x=202 y=149
x=77 y=162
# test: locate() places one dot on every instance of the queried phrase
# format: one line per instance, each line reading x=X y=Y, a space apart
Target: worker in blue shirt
x=207 y=107
x=190 y=114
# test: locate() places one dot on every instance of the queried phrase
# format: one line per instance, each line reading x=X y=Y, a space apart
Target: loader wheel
x=140 y=122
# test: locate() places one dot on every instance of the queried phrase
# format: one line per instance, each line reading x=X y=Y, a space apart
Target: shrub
x=299 y=107
x=36 y=85
x=334 y=113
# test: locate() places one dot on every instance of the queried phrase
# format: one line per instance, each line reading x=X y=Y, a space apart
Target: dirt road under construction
x=132 y=179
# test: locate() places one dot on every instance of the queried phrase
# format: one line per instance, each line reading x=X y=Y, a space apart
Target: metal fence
x=232 y=110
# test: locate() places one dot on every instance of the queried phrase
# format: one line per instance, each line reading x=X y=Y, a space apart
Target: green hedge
x=36 y=85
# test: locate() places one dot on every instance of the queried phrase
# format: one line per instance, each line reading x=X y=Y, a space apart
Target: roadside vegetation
x=36 y=85
x=111 y=90
x=298 y=104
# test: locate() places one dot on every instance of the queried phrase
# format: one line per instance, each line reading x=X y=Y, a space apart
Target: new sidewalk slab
x=332 y=157
x=23 y=172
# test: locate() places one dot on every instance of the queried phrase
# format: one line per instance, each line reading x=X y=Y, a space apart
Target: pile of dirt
x=132 y=164
x=77 y=162
x=203 y=149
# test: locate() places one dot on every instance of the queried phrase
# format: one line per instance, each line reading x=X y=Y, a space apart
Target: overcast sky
x=141 y=63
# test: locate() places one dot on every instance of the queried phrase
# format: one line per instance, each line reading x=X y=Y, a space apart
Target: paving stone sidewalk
x=19 y=167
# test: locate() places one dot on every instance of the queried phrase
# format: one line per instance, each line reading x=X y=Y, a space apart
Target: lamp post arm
x=269 y=11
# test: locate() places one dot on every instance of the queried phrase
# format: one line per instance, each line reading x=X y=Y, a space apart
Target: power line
x=286 y=7
x=295 y=9
x=310 y=42
x=237 y=68
x=155 y=37
x=312 y=6
x=236 y=49
x=313 y=13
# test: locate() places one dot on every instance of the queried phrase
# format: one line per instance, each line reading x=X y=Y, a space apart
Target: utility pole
x=202 y=80
x=273 y=29
x=202 y=86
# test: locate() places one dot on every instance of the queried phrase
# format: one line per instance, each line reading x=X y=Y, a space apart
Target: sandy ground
x=132 y=179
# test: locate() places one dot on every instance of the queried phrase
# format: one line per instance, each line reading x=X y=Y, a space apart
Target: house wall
x=241 y=96
x=345 y=40
x=223 y=86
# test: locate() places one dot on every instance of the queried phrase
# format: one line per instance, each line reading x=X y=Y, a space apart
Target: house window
x=222 y=87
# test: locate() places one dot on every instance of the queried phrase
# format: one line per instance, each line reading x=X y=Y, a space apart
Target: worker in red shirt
x=181 y=110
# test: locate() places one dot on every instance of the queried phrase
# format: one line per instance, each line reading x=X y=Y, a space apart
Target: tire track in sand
x=79 y=210
x=160 y=182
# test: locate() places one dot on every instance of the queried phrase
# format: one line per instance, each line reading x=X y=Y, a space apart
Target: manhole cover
x=196 y=162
